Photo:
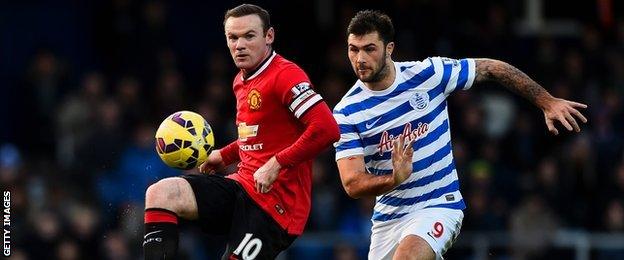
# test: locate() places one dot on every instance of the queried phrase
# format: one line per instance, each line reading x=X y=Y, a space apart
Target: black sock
x=161 y=234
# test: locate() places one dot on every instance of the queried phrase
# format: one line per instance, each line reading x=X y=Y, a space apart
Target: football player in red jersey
x=282 y=125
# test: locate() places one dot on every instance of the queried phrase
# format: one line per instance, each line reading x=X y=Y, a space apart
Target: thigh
x=414 y=247
x=173 y=194
x=438 y=227
x=254 y=234
x=384 y=240
x=216 y=200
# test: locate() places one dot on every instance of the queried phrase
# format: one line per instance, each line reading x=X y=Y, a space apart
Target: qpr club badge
x=419 y=101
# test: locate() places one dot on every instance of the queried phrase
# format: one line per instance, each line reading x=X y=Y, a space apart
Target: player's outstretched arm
x=358 y=183
x=555 y=109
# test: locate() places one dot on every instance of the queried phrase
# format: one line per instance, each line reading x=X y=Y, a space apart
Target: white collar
x=262 y=68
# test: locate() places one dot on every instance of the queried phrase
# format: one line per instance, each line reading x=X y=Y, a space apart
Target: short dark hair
x=368 y=21
x=248 y=9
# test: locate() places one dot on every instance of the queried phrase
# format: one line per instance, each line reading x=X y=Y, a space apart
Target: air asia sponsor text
x=385 y=143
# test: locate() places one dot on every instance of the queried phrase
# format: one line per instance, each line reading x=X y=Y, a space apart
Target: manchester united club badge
x=254 y=99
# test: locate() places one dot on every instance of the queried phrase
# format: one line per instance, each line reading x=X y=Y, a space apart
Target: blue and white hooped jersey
x=414 y=105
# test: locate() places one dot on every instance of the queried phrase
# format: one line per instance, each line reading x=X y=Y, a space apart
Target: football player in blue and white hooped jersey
x=395 y=140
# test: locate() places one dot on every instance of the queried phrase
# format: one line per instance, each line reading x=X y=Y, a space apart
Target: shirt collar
x=261 y=68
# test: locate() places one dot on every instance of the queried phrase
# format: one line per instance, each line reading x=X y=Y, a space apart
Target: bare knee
x=414 y=248
x=174 y=194
x=165 y=194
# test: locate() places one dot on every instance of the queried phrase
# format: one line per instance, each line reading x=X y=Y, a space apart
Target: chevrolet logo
x=245 y=131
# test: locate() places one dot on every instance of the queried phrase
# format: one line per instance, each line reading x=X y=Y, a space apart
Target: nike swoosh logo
x=368 y=126
x=151 y=233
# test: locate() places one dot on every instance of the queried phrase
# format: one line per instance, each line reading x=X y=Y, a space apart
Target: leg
x=164 y=202
x=415 y=248
x=254 y=234
x=173 y=194
x=428 y=233
x=383 y=243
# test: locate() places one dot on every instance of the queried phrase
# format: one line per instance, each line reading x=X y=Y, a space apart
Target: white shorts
x=438 y=226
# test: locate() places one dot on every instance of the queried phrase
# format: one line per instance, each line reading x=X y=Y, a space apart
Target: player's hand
x=213 y=164
x=266 y=175
x=401 y=159
x=565 y=112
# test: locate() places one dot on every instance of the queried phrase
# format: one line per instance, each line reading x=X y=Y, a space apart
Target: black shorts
x=225 y=209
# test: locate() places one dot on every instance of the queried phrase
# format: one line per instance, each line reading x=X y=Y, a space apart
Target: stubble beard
x=380 y=74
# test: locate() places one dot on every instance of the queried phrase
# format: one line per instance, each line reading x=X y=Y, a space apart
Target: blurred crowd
x=78 y=163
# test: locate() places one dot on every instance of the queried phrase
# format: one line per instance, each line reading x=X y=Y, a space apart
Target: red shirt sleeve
x=229 y=153
x=296 y=92
x=321 y=129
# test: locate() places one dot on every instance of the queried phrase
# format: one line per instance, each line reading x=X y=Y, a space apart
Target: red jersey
x=269 y=105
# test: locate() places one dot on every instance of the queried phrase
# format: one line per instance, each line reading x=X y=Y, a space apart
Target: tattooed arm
x=512 y=78
x=555 y=109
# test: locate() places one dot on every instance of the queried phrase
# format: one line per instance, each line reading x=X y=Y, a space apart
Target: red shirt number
x=438 y=229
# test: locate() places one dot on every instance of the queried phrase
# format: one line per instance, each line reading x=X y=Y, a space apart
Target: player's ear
x=389 y=48
x=270 y=35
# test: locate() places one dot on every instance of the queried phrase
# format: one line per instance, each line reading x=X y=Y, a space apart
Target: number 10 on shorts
x=249 y=248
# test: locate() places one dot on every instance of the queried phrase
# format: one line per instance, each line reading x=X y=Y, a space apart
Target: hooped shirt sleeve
x=456 y=74
x=350 y=142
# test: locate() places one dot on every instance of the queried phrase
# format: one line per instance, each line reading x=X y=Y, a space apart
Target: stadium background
x=85 y=83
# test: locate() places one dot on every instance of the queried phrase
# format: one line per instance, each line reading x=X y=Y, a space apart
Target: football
x=184 y=140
